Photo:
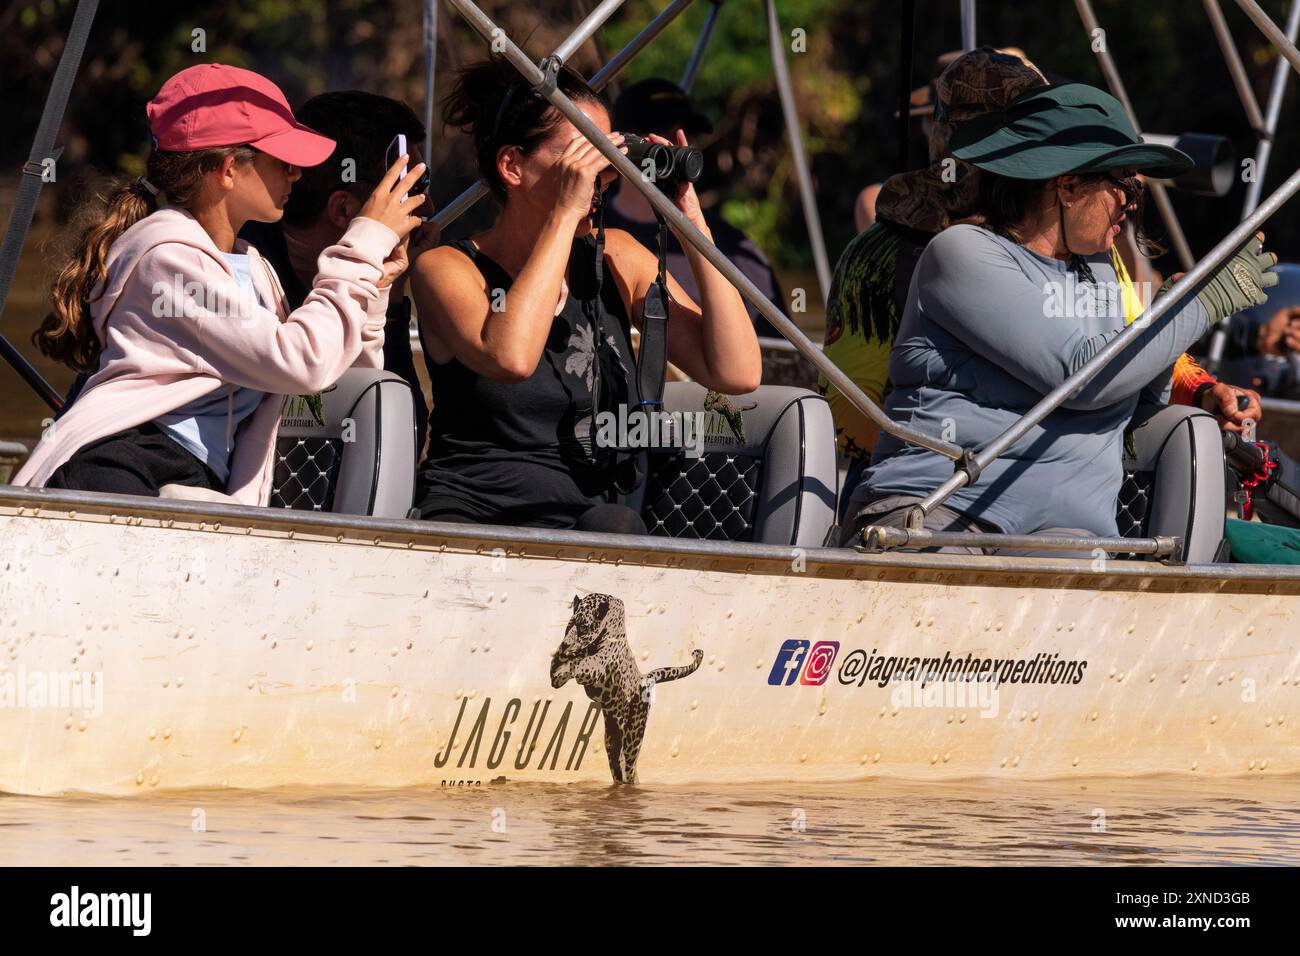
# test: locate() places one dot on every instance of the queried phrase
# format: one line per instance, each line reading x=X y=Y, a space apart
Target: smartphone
x=396 y=150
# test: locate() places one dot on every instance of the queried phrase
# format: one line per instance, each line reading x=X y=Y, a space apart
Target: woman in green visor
x=1004 y=308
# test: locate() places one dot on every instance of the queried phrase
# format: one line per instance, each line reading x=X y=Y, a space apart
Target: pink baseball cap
x=216 y=105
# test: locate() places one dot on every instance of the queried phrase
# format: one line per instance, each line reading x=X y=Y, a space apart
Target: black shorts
x=138 y=461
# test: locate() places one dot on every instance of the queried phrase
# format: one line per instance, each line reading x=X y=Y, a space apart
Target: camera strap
x=652 y=363
x=611 y=380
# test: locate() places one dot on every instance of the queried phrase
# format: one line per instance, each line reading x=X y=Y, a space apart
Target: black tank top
x=521 y=453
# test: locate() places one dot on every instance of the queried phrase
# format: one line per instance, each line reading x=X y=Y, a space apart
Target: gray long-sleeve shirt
x=988 y=330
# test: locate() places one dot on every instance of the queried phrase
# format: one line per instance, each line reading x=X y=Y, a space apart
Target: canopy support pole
x=801 y=170
x=33 y=177
x=1158 y=191
x=587 y=28
x=1263 y=152
x=967 y=25
x=701 y=45
x=430 y=69
x=1235 y=67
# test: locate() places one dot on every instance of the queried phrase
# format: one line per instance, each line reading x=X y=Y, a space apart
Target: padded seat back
x=766 y=473
x=1174 y=480
x=360 y=459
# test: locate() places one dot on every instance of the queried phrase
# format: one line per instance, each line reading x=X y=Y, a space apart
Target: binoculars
x=658 y=163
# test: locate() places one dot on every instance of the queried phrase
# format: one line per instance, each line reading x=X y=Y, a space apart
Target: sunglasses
x=1132 y=187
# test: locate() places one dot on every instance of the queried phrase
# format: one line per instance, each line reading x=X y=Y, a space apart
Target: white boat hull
x=265 y=650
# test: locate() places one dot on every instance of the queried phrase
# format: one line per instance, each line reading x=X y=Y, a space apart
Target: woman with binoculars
x=526 y=327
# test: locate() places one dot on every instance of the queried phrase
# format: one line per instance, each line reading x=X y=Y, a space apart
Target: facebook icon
x=789 y=660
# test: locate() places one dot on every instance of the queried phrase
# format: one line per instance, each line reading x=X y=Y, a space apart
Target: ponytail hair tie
x=143 y=181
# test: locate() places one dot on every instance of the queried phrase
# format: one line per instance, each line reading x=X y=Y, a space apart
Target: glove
x=1240 y=282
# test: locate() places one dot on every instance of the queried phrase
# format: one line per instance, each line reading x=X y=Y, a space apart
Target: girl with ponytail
x=182 y=328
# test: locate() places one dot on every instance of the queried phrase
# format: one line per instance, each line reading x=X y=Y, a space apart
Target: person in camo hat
x=873 y=275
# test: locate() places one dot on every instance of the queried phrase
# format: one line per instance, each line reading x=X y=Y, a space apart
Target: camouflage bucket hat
x=980 y=82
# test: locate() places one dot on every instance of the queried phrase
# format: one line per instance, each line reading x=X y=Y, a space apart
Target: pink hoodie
x=155 y=363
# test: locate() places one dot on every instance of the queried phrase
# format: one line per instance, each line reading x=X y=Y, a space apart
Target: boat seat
x=360 y=460
x=1174 y=480
x=776 y=485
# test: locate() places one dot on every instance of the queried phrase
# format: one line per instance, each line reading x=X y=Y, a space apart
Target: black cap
x=657 y=106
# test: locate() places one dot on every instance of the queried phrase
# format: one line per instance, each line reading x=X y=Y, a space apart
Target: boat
x=162 y=644
x=223 y=646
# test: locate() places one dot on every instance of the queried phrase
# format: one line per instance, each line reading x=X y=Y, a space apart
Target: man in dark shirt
x=330 y=195
x=659 y=106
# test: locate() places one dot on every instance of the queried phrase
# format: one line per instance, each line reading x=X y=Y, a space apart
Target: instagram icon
x=820 y=659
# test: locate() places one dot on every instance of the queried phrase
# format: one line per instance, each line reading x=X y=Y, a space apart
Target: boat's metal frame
x=1266 y=128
